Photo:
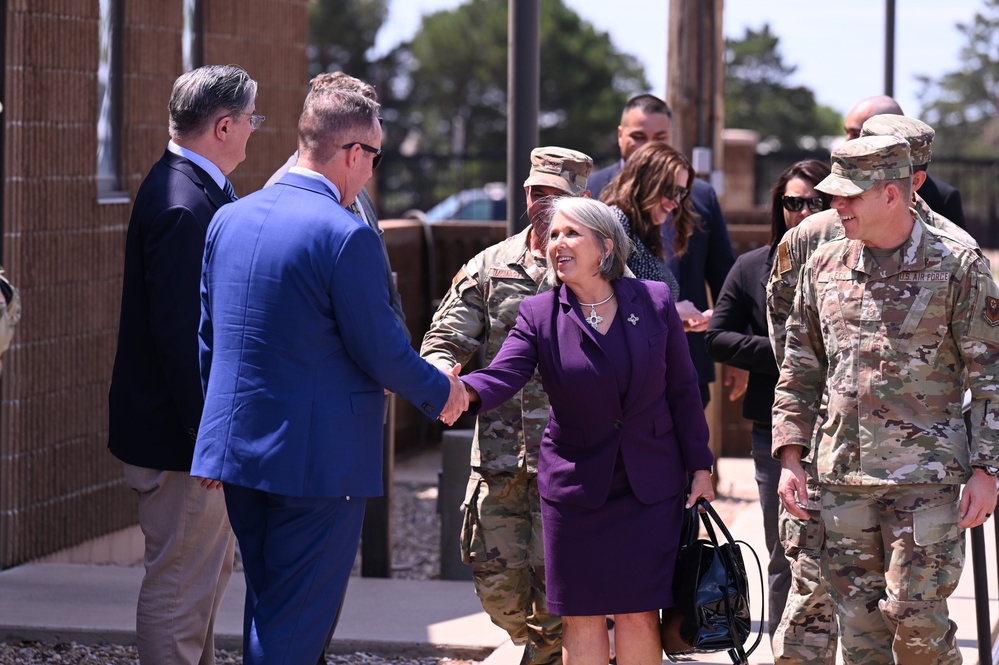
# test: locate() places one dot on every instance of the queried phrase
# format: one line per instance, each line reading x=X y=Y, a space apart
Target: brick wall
x=58 y=484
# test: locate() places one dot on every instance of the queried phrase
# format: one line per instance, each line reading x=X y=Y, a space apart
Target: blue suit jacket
x=154 y=405
x=659 y=426
x=297 y=341
x=708 y=259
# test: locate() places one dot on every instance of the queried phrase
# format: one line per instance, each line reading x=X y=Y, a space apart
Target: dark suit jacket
x=658 y=427
x=297 y=341
x=155 y=399
x=943 y=199
x=738 y=333
x=707 y=261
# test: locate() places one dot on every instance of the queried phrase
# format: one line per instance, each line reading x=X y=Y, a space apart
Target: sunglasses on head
x=796 y=203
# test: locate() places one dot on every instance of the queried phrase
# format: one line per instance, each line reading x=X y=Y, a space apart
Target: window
x=191 y=45
x=109 y=77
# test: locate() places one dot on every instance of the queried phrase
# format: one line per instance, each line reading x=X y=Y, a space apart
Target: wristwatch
x=989 y=469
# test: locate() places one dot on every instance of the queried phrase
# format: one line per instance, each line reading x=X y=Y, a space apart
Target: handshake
x=457 y=401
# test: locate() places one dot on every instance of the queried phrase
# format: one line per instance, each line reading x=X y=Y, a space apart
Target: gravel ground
x=416 y=556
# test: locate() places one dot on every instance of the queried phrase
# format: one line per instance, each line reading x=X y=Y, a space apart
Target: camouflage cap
x=858 y=164
x=916 y=132
x=560 y=168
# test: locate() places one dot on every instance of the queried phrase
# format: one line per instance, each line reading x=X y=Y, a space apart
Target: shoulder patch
x=783 y=258
x=991 y=311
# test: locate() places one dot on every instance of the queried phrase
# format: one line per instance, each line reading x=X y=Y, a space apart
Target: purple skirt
x=615 y=559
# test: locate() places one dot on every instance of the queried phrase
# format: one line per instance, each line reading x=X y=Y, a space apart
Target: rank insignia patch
x=991 y=311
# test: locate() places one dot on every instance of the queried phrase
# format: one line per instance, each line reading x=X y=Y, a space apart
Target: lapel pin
x=633 y=319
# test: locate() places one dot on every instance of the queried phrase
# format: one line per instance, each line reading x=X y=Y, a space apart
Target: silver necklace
x=594 y=319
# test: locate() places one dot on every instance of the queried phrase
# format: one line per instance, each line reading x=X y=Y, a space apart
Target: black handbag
x=710 y=592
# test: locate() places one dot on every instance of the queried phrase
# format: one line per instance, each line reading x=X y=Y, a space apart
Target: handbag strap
x=739 y=654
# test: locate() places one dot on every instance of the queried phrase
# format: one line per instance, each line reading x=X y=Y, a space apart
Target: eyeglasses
x=678 y=194
x=255 y=119
x=796 y=203
x=367 y=148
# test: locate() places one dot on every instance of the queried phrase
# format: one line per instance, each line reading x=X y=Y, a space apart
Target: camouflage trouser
x=501 y=538
x=807 y=631
x=892 y=557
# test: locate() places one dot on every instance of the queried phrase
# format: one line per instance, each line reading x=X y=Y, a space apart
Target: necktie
x=355 y=208
x=229 y=191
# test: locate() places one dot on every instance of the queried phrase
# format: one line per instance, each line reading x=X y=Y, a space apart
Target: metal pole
x=981 y=577
x=524 y=94
x=890 y=48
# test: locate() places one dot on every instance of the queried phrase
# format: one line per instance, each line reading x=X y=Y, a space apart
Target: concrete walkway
x=92 y=604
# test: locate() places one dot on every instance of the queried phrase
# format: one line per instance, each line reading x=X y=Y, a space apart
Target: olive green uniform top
x=478 y=312
x=890 y=345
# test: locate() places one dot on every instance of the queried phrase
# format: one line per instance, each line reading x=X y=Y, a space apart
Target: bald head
x=867 y=108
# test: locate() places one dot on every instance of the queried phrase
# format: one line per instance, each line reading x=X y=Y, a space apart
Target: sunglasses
x=367 y=148
x=678 y=194
x=796 y=203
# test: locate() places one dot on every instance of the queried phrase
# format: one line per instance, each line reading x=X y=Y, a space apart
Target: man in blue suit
x=709 y=253
x=156 y=397
x=298 y=341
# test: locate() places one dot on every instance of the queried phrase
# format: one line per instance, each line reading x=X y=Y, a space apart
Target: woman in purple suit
x=625 y=438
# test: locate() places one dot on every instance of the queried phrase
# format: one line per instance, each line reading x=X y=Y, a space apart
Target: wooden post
x=695 y=93
x=696 y=75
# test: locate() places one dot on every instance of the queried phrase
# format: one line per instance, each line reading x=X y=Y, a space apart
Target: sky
x=838 y=47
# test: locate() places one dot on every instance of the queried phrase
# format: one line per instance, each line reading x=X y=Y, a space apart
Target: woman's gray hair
x=599 y=219
x=207 y=93
x=333 y=117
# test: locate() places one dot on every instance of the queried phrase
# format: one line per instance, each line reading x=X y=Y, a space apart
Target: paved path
x=85 y=603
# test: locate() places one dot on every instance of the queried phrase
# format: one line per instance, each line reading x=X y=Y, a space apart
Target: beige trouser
x=188 y=560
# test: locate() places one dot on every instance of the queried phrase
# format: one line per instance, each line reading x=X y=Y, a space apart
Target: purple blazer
x=659 y=426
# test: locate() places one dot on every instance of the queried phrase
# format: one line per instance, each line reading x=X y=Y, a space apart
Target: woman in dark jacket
x=738 y=336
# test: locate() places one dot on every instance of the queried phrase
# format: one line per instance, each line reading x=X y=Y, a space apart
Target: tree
x=962 y=106
x=455 y=91
x=759 y=97
x=340 y=34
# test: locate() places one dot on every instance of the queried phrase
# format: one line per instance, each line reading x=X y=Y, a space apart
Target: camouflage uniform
x=10 y=313
x=808 y=630
x=889 y=344
x=502 y=535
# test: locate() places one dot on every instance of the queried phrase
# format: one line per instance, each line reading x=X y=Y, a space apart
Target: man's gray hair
x=598 y=218
x=203 y=95
x=332 y=118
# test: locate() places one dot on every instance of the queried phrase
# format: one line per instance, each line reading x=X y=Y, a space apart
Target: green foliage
x=341 y=32
x=962 y=106
x=758 y=96
x=455 y=95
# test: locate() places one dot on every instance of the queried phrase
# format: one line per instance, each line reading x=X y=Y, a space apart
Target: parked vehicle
x=482 y=204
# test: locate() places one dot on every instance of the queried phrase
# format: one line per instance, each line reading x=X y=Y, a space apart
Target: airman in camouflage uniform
x=501 y=537
x=888 y=321
x=808 y=630
x=10 y=313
